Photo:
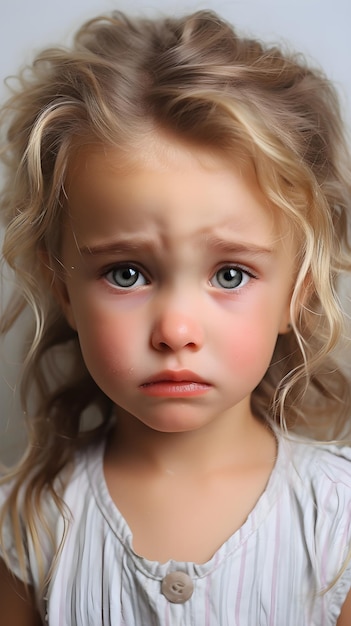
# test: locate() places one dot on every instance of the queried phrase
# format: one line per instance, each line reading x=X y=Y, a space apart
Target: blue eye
x=125 y=277
x=230 y=278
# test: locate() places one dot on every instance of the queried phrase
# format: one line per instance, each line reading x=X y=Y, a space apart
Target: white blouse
x=271 y=572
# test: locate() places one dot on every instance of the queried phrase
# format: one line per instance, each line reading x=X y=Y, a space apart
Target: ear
x=285 y=320
x=285 y=324
x=56 y=283
x=304 y=295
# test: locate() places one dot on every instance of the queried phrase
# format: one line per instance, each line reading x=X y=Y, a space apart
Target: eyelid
x=124 y=265
x=116 y=265
x=236 y=266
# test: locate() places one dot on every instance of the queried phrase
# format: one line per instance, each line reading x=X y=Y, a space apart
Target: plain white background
x=318 y=28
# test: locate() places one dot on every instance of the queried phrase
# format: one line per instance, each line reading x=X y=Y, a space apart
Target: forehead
x=153 y=152
x=168 y=183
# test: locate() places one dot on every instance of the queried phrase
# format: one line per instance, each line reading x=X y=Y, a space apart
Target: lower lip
x=170 y=389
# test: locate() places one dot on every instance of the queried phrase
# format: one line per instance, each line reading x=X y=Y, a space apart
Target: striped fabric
x=269 y=573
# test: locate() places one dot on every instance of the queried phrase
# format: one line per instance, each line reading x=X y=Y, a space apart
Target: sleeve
x=37 y=560
x=333 y=527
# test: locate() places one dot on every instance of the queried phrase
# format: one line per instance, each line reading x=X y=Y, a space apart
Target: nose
x=175 y=330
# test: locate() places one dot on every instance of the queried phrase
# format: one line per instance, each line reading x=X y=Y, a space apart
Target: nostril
x=174 y=331
x=164 y=346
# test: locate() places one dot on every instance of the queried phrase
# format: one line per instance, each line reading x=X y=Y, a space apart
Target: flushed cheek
x=110 y=351
x=247 y=352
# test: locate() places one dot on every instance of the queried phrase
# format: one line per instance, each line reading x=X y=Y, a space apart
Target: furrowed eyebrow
x=236 y=247
x=114 y=247
x=219 y=244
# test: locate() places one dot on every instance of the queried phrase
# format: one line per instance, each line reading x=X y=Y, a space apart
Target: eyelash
x=136 y=273
x=126 y=267
x=243 y=271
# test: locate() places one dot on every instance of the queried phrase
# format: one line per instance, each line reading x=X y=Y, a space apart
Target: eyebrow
x=124 y=245
x=239 y=247
x=219 y=244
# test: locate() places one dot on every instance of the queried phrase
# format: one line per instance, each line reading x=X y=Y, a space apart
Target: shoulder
x=319 y=476
x=50 y=522
x=318 y=465
x=318 y=481
x=315 y=509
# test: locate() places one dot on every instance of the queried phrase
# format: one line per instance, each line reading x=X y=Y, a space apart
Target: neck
x=236 y=437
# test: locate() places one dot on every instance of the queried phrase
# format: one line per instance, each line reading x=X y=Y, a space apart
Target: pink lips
x=175 y=384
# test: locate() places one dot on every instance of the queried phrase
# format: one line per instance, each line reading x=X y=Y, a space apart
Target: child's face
x=178 y=281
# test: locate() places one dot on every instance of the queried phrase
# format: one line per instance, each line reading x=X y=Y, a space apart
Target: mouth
x=175 y=384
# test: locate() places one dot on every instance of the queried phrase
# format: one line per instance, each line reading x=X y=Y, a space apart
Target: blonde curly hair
x=195 y=77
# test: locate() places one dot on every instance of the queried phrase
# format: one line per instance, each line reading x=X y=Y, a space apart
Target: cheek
x=109 y=346
x=248 y=350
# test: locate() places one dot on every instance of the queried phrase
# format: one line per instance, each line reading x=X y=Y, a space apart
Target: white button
x=177 y=587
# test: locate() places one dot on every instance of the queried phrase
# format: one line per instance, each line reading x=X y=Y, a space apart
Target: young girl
x=176 y=212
